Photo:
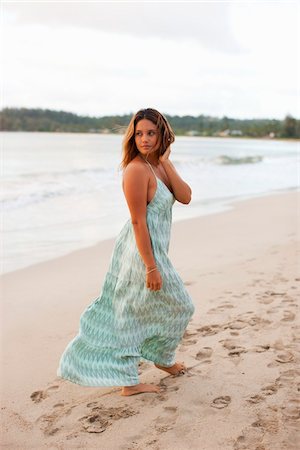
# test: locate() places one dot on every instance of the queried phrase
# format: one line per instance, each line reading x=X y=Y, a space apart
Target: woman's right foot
x=139 y=389
x=176 y=369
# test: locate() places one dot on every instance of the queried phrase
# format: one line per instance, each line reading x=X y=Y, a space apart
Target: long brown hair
x=166 y=134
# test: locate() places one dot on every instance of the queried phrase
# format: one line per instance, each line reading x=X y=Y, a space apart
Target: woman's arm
x=180 y=188
x=135 y=184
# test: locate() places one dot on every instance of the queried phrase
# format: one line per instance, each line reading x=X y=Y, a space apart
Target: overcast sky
x=239 y=59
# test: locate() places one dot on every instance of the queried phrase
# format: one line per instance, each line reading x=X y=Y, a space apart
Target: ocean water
x=63 y=191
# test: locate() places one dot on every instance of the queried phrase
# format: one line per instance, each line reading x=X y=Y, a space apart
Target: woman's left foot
x=176 y=369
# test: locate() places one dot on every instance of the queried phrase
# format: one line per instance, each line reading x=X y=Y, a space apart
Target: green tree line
x=26 y=119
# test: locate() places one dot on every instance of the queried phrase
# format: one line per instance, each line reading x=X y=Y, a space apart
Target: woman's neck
x=151 y=158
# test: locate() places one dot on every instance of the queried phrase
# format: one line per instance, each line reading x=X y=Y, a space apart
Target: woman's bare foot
x=139 y=389
x=176 y=369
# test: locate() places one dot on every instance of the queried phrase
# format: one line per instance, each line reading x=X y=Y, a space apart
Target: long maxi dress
x=128 y=322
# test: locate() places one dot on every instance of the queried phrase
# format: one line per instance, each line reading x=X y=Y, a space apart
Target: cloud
x=104 y=58
x=207 y=23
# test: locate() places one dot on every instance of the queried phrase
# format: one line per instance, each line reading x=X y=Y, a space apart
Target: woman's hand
x=154 y=280
x=166 y=155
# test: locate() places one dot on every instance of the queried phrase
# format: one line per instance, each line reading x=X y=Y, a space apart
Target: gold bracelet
x=152 y=270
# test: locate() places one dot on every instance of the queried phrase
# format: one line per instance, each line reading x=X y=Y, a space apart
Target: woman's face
x=146 y=137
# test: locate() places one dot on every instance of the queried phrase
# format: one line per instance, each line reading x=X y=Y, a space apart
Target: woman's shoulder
x=136 y=173
x=135 y=166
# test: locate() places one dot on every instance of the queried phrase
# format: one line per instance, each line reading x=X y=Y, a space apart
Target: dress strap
x=150 y=166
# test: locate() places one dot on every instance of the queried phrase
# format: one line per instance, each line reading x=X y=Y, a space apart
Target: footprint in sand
x=251 y=438
x=204 y=355
x=58 y=405
x=267 y=390
x=290 y=300
x=260 y=348
x=269 y=296
x=288 y=316
x=234 y=333
x=270 y=389
x=234 y=348
x=149 y=437
x=171 y=409
x=285 y=357
x=221 y=402
x=259 y=322
x=101 y=418
x=189 y=342
x=228 y=343
x=267 y=421
x=96 y=419
x=38 y=396
x=188 y=334
x=275 y=293
x=291 y=409
x=208 y=330
x=94 y=423
x=266 y=299
x=226 y=305
x=169 y=383
x=289 y=378
x=163 y=428
x=255 y=398
x=48 y=423
x=222 y=307
x=236 y=324
x=166 y=423
x=186 y=340
x=237 y=351
x=91 y=404
x=246 y=319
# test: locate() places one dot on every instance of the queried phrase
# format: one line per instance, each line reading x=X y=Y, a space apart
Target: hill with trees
x=26 y=119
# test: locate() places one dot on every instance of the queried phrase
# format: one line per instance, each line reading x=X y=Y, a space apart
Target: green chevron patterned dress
x=128 y=322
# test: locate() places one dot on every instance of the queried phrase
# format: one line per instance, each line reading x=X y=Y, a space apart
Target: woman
x=143 y=308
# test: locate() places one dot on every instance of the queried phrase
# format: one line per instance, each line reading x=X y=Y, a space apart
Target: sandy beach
x=241 y=391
